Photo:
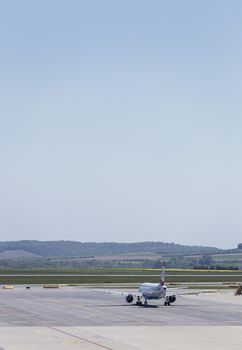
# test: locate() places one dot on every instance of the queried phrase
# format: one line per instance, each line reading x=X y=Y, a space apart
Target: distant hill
x=81 y=249
x=17 y=254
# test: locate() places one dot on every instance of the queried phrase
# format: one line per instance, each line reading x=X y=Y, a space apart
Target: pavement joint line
x=81 y=338
x=40 y=323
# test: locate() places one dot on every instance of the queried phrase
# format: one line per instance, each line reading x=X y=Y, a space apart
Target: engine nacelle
x=172 y=298
x=129 y=298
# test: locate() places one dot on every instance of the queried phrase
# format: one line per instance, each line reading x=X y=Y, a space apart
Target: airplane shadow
x=111 y=305
x=149 y=306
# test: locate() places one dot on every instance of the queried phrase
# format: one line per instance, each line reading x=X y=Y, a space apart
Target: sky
x=121 y=121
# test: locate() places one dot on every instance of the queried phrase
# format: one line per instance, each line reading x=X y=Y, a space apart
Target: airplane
x=149 y=291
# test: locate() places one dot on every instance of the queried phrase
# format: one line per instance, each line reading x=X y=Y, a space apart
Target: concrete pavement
x=76 y=318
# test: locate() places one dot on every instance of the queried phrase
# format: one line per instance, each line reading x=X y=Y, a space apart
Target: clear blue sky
x=121 y=121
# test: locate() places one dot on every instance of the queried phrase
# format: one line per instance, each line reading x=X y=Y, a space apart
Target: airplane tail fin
x=162 y=276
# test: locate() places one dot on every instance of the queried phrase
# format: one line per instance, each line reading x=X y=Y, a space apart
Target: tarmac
x=77 y=318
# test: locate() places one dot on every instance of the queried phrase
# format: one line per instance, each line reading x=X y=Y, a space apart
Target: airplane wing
x=128 y=296
x=187 y=291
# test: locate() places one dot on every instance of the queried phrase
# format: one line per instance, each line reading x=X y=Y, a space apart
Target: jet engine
x=129 y=298
x=171 y=298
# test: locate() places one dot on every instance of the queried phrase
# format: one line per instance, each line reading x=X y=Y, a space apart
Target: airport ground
x=80 y=318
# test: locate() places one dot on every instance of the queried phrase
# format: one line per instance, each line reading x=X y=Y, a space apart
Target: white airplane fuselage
x=152 y=290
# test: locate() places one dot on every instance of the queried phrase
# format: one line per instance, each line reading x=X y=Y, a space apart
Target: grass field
x=227 y=257
x=108 y=276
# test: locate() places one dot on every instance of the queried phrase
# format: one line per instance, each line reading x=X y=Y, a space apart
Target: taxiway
x=77 y=318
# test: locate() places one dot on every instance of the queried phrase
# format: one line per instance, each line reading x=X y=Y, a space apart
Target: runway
x=77 y=318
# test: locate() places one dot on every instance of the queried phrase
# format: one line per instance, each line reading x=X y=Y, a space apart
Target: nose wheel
x=139 y=302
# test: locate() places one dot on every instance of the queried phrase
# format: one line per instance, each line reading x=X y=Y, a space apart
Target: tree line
x=80 y=249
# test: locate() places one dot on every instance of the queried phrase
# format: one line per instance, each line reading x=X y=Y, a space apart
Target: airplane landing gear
x=138 y=302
